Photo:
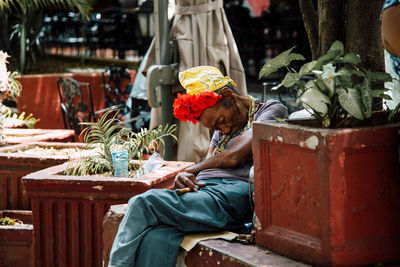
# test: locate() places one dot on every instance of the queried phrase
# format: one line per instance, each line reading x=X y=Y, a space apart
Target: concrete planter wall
x=328 y=197
x=68 y=210
x=14 y=165
x=16 y=247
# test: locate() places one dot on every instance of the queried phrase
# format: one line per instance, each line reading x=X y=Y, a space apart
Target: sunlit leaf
x=316 y=100
x=350 y=101
x=328 y=77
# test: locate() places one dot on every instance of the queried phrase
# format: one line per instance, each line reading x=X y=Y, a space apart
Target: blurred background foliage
x=22 y=21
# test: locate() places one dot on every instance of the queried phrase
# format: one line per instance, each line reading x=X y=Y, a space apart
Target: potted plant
x=70 y=200
x=327 y=190
x=9 y=88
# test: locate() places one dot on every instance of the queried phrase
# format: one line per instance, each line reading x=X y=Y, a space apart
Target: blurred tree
x=21 y=22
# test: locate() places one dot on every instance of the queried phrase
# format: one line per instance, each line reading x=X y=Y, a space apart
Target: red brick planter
x=14 y=165
x=19 y=135
x=328 y=197
x=16 y=241
x=68 y=210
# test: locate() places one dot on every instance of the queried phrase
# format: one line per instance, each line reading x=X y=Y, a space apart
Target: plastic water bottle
x=153 y=163
x=120 y=163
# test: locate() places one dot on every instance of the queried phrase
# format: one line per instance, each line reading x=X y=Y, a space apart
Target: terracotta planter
x=68 y=210
x=328 y=197
x=16 y=241
x=19 y=135
x=14 y=165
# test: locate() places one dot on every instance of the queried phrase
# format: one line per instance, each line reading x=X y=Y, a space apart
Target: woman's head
x=226 y=116
x=209 y=100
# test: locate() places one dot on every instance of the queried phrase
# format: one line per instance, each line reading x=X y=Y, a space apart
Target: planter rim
x=288 y=125
x=4 y=150
x=51 y=174
x=26 y=227
x=38 y=134
x=34 y=131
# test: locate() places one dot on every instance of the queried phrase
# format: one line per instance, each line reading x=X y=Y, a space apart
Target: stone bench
x=213 y=252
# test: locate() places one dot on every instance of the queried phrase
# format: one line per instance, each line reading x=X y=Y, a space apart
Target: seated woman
x=157 y=220
x=390 y=29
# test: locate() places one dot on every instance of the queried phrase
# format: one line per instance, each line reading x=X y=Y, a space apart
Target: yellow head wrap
x=203 y=79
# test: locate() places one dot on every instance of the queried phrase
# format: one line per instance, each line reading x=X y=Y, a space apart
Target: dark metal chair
x=140 y=114
x=76 y=103
x=117 y=88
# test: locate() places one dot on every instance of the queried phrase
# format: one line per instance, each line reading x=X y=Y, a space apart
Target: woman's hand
x=186 y=182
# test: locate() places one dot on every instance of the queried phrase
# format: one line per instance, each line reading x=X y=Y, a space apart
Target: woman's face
x=226 y=119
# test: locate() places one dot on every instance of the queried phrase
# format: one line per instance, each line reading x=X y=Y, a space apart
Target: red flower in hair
x=190 y=107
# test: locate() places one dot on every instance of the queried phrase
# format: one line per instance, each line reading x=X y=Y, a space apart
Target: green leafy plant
x=334 y=86
x=109 y=134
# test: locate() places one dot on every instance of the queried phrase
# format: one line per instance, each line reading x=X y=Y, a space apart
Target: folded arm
x=229 y=158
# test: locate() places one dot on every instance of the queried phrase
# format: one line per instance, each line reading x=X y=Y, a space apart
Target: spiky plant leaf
x=108 y=134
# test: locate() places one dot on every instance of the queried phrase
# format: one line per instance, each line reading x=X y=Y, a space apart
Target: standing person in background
x=390 y=28
x=209 y=196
